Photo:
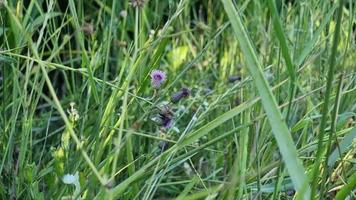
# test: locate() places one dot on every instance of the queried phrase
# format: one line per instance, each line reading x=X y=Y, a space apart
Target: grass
x=76 y=99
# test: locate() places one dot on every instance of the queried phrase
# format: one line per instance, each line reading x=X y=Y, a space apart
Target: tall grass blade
x=325 y=109
x=279 y=127
x=192 y=137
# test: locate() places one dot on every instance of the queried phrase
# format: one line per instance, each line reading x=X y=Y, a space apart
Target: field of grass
x=177 y=99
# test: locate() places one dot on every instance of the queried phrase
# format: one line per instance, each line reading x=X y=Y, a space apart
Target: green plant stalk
x=280 y=175
x=86 y=62
x=284 y=48
x=320 y=149
x=4 y=92
x=118 y=141
x=119 y=137
x=279 y=128
x=331 y=134
x=244 y=138
x=109 y=43
x=56 y=100
x=243 y=162
x=27 y=100
x=3 y=83
x=130 y=159
x=234 y=173
x=187 y=188
x=119 y=189
x=342 y=194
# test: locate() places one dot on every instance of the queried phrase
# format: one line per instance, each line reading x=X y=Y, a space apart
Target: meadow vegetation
x=177 y=99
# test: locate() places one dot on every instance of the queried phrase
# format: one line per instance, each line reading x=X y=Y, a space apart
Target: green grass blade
x=86 y=62
x=325 y=109
x=277 y=24
x=342 y=194
x=279 y=128
x=310 y=44
x=282 y=40
x=119 y=189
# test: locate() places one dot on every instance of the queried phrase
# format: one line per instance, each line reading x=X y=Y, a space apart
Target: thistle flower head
x=164 y=117
x=157 y=78
x=166 y=121
x=182 y=93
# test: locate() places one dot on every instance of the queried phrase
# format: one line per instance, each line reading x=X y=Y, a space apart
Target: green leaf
x=342 y=194
x=270 y=187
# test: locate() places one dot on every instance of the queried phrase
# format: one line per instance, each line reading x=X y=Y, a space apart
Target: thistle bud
x=234 y=78
x=183 y=93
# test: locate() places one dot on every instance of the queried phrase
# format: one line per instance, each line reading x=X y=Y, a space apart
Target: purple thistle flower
x=166 y=121
x=165 y=117
x=183 y=93
x=157 y=78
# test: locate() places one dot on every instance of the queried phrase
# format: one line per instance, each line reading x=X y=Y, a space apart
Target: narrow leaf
x=279 y=127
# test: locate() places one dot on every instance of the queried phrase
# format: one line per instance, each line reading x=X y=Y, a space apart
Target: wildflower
x=165 y=117
x=70 y=178
x=165 y=121
x=183 y=93
x=234 y=78
x=157 y=78
x=137 y=3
